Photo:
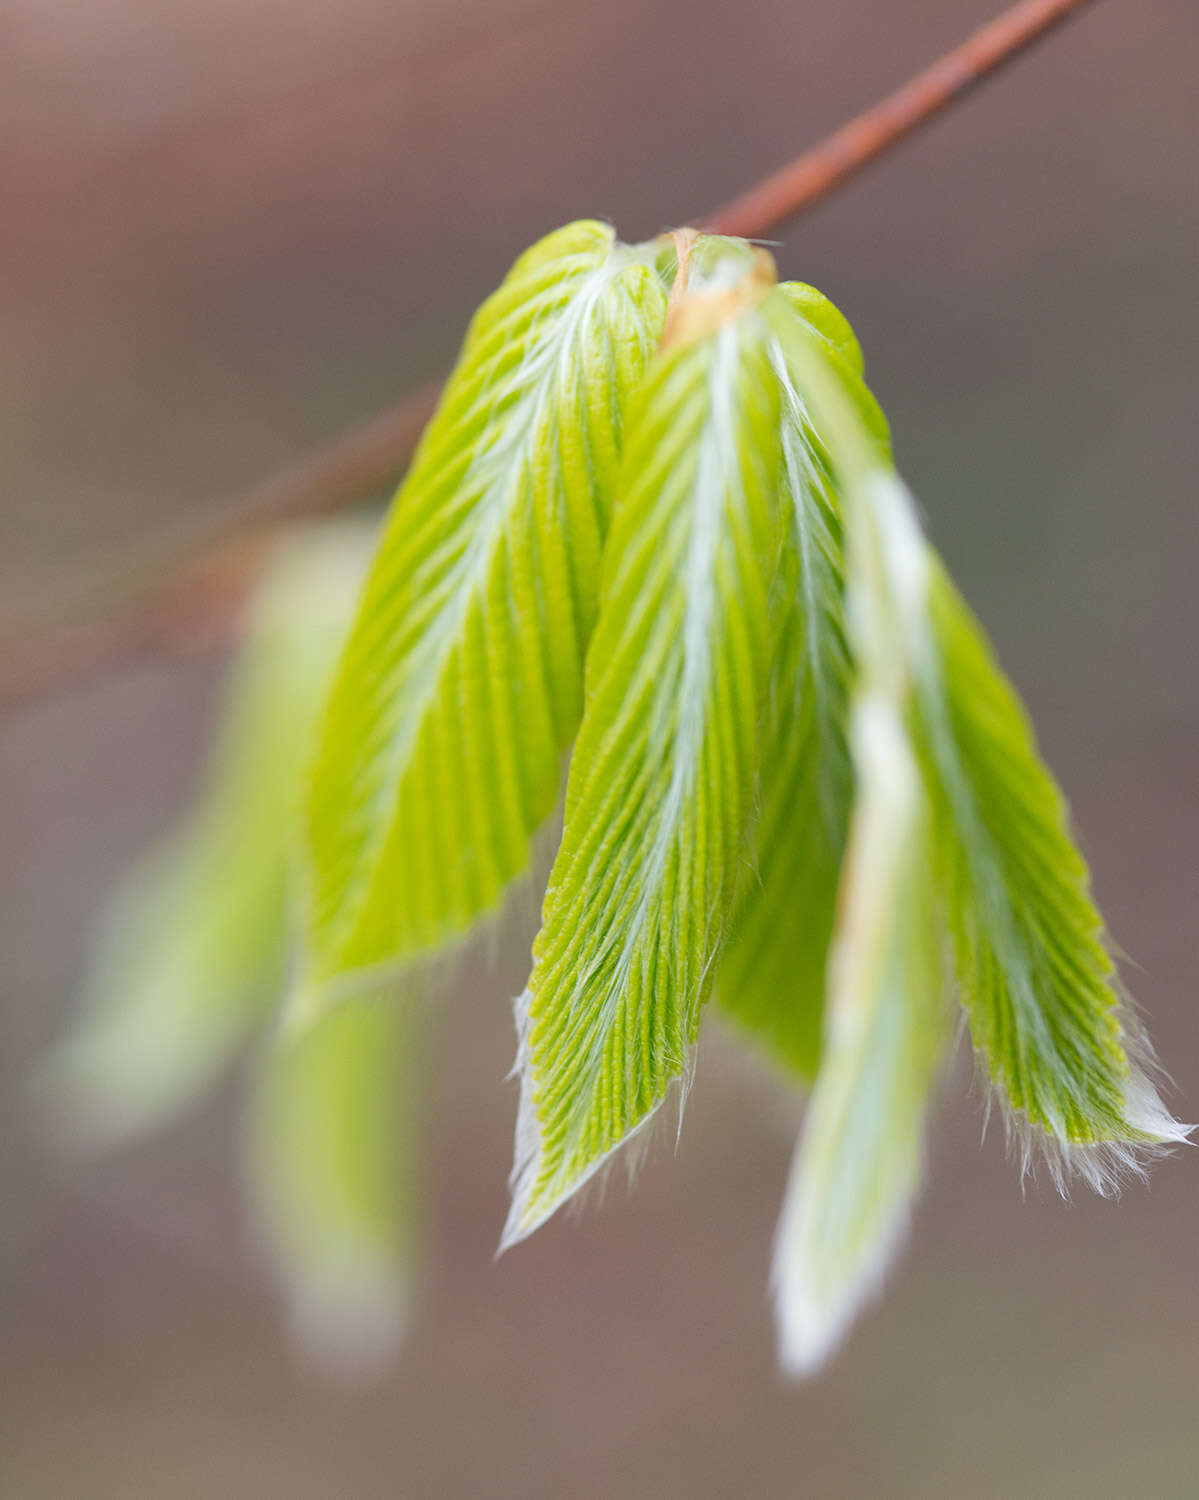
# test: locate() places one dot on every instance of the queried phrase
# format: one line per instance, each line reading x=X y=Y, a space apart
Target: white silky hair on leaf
x=1105 y=1167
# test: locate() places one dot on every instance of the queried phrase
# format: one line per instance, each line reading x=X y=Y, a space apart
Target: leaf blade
x=461 y=684
x=662 y=774
x=1033 y=965
x=772 y=974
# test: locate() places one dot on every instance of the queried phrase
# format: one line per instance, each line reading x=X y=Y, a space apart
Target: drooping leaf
x=1031 y=960
x=858 y=1162
x=662 y=775
x=198 y=937
x=771 y=978
x=330 y=1168
x=461 y=685
x=1034 y=970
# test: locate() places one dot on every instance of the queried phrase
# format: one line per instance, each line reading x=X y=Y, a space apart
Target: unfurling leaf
x=198 y=938
x=330 y=1169
x=1034 y=971
x=662 y=776
x=771 y=978
x=858 y=1163
x=461 y=685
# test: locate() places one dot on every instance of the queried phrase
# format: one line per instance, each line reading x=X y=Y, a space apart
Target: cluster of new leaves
x=656 y=516
x=655 y=526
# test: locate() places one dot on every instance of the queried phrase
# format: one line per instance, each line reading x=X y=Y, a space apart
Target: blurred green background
x=228 y=230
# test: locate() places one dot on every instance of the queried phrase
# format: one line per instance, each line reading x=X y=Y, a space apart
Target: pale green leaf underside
x=662 y=776
x=461 y=685
x=330 y=1164
x=197 y=939
x=1034 y=971
x=858 y=1163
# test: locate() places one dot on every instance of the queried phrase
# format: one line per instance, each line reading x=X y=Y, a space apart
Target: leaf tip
x=349 y=1323
x=813 y=1311
x=1108 y=1162
x=541 y=1181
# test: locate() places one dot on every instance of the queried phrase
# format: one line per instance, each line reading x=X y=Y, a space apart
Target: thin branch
x=842 y=156
x=183 y=592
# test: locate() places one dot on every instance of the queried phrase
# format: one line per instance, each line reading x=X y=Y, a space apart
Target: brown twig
x=843 y=154
x=183 y=592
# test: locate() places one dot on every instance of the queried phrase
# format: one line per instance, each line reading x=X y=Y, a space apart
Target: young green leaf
x=330 y=1167
x=1034 y=970
x=662 y=776
x=771 y=978
x=461 y=685
x=858 y=1163
x=198 y=937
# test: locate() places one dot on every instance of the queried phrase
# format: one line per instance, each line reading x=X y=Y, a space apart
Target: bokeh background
x=228 y=230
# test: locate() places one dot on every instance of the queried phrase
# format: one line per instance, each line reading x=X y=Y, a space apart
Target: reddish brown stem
x=185 y=593
x=831 y=164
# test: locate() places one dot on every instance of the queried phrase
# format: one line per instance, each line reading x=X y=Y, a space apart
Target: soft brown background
x=228 y=227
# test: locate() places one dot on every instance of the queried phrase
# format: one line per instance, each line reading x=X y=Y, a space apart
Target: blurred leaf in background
x=331 y=1170
x=197 y=940
x=196 y=950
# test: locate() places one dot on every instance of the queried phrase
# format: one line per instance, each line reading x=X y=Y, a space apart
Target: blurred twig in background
x=182 y=592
